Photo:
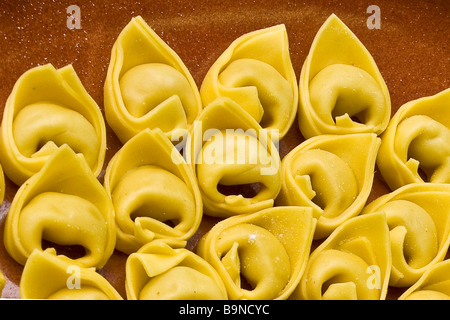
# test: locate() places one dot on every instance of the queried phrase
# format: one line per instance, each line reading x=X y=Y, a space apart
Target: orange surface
x=412 y=50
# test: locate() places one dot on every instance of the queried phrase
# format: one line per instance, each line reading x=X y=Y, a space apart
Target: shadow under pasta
x=249 y=190
x=71 y=251
x=152 y=212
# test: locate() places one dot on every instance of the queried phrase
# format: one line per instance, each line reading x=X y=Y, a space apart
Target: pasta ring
x=256 y=72
x=63 y=204
x=46 y=109
x=357 y=99
x=415 y=147
x=154 y=192
x=147 y=85
x=418 y=217
x=269 y=248
x=353 y=263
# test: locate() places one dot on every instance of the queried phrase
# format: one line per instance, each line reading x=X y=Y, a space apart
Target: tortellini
x=418 y=216
x=296 y=227
x=353 y=263
x=341 y=89
x=434 y=284
x=47 y=276
x=46 y=109
x=256 y=72
x=154 y=192
x=227 y=147
x=260 y=255
x=148 y=85
x=159 y=272
x=333 y=174
x=65 y=205
x=416 y=145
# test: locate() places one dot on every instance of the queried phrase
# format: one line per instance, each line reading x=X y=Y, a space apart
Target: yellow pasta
x=46 y=109
x=2 y=185
x=353 y=263
x=332 y=174
x=65 y=205
x=47 y=276
x=159 y=272
x=416 y=145
x=2 y=282
x=434 y=284
x=268 y=249
x=148 y=85
x=341 y=89
x=256 y=72
x=418 y=216
x=227 y=147
x=154 y=192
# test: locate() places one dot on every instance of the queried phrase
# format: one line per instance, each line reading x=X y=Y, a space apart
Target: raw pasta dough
x=353 y=263
x=256 y=72
x=46 y=109
x=268 y=248
x=418 y=216
x=147 y=85
x=154 y=192
x=47 y=276
x=64 y=204
x=416 y=145
x=357 y=99
x=333 y=174
x=159 y=272
x=227 y=147
x=434 y=284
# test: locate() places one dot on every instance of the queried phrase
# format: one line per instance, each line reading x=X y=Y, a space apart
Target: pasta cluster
x=297 y=227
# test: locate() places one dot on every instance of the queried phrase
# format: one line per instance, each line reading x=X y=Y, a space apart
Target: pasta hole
x=424 y=172
x=70 y=251
x=342 y=107
x=319 y=201
x=246 y=190
x=156 y=214
x=267 y=120
x=423 y=175
x=326 y=285
x=245 y=284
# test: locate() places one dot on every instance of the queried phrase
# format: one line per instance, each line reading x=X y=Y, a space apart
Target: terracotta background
x=412 y=50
